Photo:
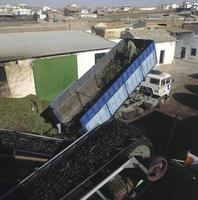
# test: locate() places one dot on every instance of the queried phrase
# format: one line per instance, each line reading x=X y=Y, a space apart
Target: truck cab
x=157 y=84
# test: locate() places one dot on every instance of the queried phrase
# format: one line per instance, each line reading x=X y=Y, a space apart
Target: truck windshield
x=167 y=80
x=154 y=81
x=163 y=82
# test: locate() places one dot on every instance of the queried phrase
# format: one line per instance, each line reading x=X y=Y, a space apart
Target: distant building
x=194 y=8
x=88 y=15
x=84 y=11
x=46 y=8
x=164 y=42
x=45 y=63
x=113 y=10
x=126 y=8
x=139 y=24
x=148 y=8
x=187 y=4
x=169 y=6
x=175 y=6
x=41 y=15
x=179 y=32
x=110 y=30
x=22 y=11
x=163 y=23
x=187 y=46
x=19 y=10
x=71 y=10
x=191 y=26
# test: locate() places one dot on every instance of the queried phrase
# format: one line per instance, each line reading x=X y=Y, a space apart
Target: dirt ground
x=184 y=95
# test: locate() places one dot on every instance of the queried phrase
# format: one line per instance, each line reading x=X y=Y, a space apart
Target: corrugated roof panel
x=38 y=44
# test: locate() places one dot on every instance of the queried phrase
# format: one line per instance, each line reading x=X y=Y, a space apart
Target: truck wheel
x=157 y=168
x=162 y=99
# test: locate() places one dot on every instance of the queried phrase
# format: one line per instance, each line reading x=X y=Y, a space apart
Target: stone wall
x=20 y=78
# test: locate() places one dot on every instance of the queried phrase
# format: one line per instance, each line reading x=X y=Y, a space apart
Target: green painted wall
x=53 y=75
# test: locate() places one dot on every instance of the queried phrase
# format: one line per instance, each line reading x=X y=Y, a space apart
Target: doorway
x=183 y=52
x=162 y=54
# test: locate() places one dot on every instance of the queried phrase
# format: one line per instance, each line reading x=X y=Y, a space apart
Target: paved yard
x=177 y=183
x=184 y=98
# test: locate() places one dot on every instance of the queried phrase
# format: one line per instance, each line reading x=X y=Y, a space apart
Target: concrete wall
x=169 y=48
x=188 y=41
x=20 y=78
x=167 y=23
x=86 y=60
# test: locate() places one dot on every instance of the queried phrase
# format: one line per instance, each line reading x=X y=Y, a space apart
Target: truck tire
x=157 y=168
x=162 y=99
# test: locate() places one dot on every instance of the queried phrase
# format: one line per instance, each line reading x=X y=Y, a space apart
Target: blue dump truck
x=98 y=94
x=108 y=159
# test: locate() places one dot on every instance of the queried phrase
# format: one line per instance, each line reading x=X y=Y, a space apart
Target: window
x=162 y=24
x=193 y=52
x=168 y=80
x=98 y=56
x=163 y=82
x=154 y=81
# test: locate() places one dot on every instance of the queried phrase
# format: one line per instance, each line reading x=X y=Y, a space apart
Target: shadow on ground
x=158 y=127
x=187 y=99
x=194 y=75
x=175 y=184
x=192 y=88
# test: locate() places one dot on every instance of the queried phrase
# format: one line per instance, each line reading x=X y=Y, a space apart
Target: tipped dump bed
x=98 y=94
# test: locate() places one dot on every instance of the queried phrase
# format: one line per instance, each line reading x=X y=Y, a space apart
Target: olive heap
x=94 y=153
x=28 y=143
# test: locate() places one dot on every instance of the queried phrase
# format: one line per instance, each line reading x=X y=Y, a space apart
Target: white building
x=41 y=15
x=22 y=11
x=194 y=8
x=164 y=42
x=187 y=46
x=147 y=8
x=175 y=6
x=38 y=69
x=84 y=11
x=170 y=6
x=112 y=10
x=187 y=4
x=88 y=15
x=7 y=5
x=46 y=8
x=126 y=8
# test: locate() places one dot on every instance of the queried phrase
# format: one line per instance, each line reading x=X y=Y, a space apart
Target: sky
x=91 y=3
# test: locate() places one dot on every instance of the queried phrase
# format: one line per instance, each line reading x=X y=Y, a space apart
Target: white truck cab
x=157 y=83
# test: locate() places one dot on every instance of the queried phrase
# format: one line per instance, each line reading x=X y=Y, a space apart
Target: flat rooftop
x=158 y=35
